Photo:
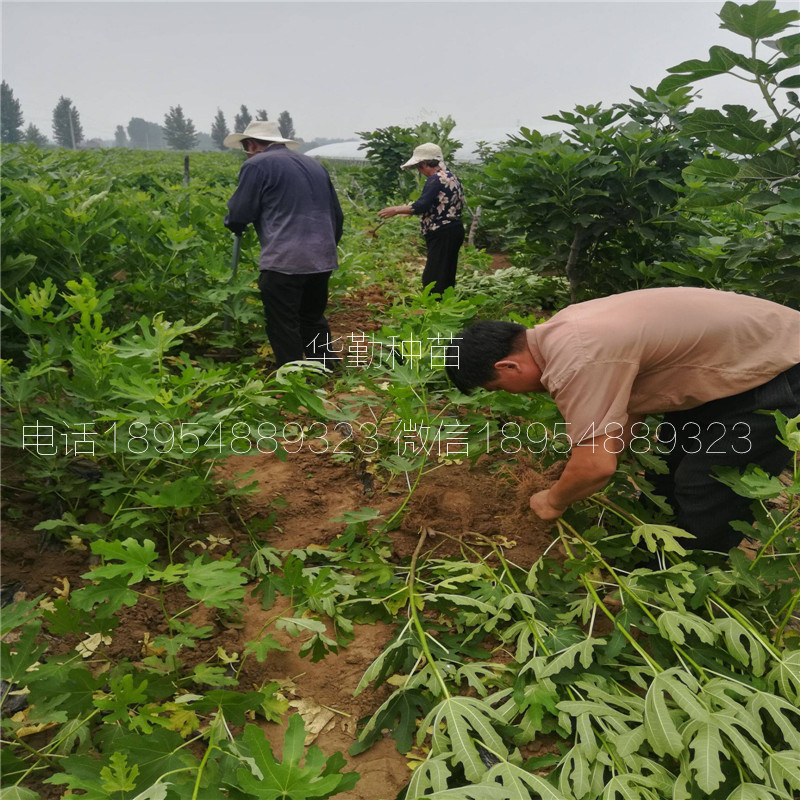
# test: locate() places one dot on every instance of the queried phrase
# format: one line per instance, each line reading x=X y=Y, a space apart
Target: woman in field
x=439 y=208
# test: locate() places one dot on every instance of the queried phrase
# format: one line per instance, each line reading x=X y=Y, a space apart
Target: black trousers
x=725 y=432
x=443 y=246
x=294 y=307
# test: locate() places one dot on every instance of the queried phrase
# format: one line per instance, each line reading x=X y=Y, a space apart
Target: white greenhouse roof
x=347 y=150
x=469 y=136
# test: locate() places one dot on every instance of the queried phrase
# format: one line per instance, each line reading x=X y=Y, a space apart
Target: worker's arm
x=425 y=202
x=588 y=470
x=244 y=206
x=392 y=211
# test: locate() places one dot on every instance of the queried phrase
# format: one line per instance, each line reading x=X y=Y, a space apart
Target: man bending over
x=706 y=359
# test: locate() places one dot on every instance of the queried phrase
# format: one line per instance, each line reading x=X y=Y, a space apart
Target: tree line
x=177 y=132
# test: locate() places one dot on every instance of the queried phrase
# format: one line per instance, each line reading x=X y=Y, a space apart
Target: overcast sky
x=344 y=67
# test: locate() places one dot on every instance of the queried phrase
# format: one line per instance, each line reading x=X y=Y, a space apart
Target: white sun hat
x=425 y=152
x=263 y=130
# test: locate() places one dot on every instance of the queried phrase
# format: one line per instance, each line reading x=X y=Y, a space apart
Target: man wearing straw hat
x=291 y=202
x=439 y=208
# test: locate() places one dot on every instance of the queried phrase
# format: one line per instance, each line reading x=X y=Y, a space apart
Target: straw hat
x=425 y=152
x=263 y=130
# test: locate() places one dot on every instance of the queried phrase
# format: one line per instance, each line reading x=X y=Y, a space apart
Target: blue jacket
x=291 y=201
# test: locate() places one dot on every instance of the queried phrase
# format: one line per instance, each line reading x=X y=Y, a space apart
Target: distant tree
x=137 y=128
x=286 y=125
x=219 y=130
x=261 y=114
x=179 y=130
x=67 y=129
x=10 y=116
x=242 y=120
x=34 y=136
x=120 y=138
x=145 y=135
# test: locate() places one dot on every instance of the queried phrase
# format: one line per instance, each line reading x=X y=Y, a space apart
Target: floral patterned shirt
x=441 y=201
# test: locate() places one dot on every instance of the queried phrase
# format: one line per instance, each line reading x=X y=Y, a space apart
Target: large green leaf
x=665 y=536
x=784 y=769
x=575 y=778
x=18 y=793
x=660 y=721
x=742 y=644
x=270 y=779
x=458 y=723
x=738 y=130
x=582 y=652
x=785 y=676
x=704 y=739
x=628 y=786
x=752 y=791
x=770 y=166
x=757 y=20
x=721 y=169
x=398 y=714
x=182 y=493
x=520 y=784
x=26 y=652
x=136 y=558
x=216 y=583
x=720 y=60
x=672 y=625
x=783 y=714
x=432 y=774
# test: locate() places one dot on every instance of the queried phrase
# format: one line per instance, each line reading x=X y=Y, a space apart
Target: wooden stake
x=476 y=218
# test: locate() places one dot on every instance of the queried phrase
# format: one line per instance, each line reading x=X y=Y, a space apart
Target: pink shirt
x=657 y=350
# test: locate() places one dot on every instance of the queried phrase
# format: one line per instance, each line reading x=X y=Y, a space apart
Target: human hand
x=233 y=227
x=541 y=506
x=387 y=212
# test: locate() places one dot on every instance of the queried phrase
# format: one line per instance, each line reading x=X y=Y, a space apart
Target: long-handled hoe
x=237 y=250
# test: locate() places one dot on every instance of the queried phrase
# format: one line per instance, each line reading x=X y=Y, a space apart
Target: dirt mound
x=486 y=499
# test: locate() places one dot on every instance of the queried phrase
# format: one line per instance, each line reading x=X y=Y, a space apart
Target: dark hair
x=473 y=354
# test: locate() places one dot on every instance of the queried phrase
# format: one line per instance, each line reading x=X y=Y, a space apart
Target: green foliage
x=145 y=135
x=286 y=125
x=518 y=287
x=10 y=116
x=179 y=131
x=120 y=137
x=219 y=130
x=125 y=217
x=67 y=130
x=34 y=136
x=600 y=204
x=242 y=119
x=388 y=148
x=651 y=193
x=755 y=163
x=270 y=779
x=441 y=133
